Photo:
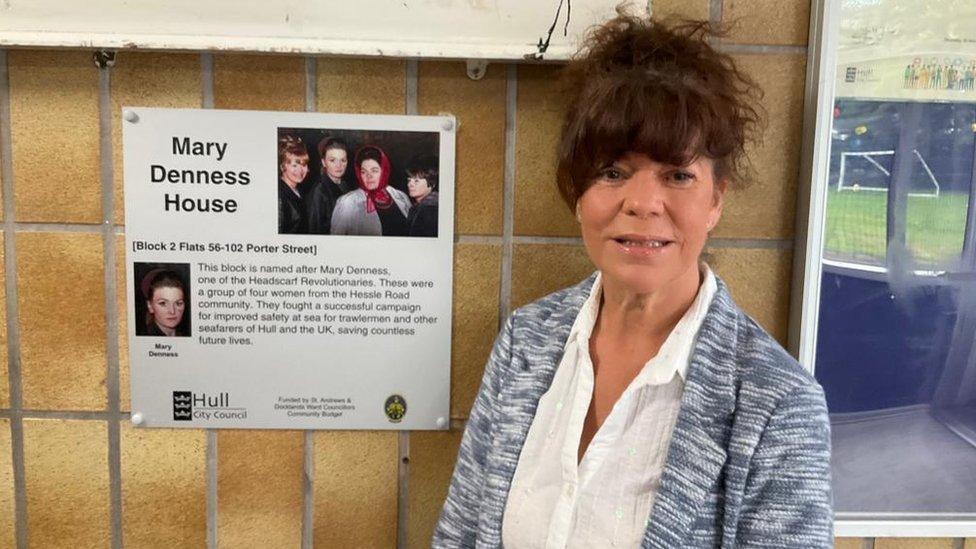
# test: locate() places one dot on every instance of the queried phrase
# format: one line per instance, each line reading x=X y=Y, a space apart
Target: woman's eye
x=683 y=176
x=611 y=174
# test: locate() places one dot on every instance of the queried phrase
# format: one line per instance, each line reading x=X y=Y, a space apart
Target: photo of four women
x=352 y=192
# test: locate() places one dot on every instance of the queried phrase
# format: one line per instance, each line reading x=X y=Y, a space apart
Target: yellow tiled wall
x=73 y=472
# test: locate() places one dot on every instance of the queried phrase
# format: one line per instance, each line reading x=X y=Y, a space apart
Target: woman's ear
x=718 y=201
x=720 y=187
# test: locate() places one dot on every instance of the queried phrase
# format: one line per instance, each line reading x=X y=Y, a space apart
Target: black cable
x=543 y=46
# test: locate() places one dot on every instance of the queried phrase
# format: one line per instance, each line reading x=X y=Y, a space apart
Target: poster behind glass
x=895 y=348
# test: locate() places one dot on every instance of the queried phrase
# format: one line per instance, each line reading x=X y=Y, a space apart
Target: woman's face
x=370 y=172
x=417 y=187
x=335 y=162
x=167 y=306
x=644 y=223
x=294 y=169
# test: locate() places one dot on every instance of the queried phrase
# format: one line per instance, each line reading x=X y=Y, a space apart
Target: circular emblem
x=395 y=408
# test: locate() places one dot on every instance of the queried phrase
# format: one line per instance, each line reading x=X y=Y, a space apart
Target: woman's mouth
x=643 y=246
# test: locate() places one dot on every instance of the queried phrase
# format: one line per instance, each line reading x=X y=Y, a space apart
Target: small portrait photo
x=357 y=182
x=162 y=299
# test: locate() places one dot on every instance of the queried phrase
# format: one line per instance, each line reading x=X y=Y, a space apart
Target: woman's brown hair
x=327 y=144
x=657 y=88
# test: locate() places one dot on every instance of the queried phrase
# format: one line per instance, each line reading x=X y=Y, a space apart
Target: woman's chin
x=640 y=279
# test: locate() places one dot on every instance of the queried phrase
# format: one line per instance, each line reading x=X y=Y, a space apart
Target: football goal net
x=863 y=170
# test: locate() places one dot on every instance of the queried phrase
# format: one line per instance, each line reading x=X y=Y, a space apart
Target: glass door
x=889 y=296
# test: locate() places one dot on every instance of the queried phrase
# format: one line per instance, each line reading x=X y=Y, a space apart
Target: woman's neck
x=168 y=331
x=625 y=313
x=289 y=183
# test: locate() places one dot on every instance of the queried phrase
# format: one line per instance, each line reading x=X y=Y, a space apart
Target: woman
x=324 y=193
x=375 y=208
x=292 y=169
x=422 y=189
x=165 y=294
x=642 y=407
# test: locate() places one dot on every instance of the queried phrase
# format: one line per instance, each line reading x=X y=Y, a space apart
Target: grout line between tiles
x=411 y=85
x=211 y=489
x=565 y=240
x=207 y=79
x=91 y=228
x=111 y=312
x=14 y=373
x=66 y=414
x=311 y=96
x=478 y=239
x=752 y=243
x=411 y=94
x=867 y=543
x=308 y=488
x=207 y=87
x=59 y=227
x=508 y=196
x=760 y=49
x=308 y=441
x=403 y=488
x=959 y=543
x=715 y=11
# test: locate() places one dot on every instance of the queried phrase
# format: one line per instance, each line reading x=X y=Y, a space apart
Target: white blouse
x=350 y=217
x=605 y=501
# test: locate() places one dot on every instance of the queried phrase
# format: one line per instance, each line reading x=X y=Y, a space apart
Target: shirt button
x=632 y=451
x=569 y=489
x=619 y=513
x=559 y=405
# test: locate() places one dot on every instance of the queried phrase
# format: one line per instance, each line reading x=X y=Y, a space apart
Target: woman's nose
x=643 y=197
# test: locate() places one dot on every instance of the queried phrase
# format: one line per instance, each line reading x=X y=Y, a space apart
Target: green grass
x=856 y=226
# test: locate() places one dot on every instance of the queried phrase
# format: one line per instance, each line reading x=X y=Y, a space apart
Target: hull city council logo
x=395 y=408
x=188 y=406
x=182 y=406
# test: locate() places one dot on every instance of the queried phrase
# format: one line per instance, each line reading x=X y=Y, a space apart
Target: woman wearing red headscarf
x=375 y=208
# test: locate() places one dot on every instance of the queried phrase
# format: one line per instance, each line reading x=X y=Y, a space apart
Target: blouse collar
x=674 y=354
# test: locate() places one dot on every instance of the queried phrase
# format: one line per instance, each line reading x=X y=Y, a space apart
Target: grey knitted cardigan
x=748 y=463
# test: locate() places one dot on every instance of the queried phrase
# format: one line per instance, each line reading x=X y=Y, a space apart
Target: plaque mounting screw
x=130 y=116
x=137 y=419
x=476 y=68
x=441 y=422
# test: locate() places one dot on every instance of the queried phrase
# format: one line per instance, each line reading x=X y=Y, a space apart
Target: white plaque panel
x=247 y=309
